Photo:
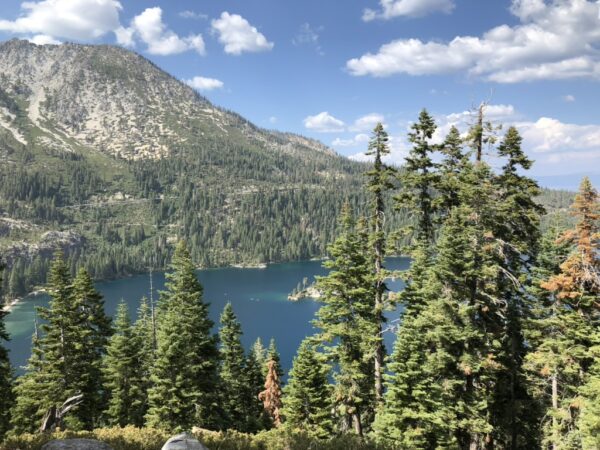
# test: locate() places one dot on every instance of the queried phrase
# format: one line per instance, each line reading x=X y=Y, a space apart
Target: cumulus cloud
x=159 y=39
x=359 y=139
x=238 y=36
x=204 y=84
x=409 y=8
x=569 y=98
x=80 y=20
x=556 y=40
x=44 y=39
x=324 y=123
x=367 y=123
x=193 y=15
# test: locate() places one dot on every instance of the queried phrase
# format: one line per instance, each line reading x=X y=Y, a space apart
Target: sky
x=332 y=69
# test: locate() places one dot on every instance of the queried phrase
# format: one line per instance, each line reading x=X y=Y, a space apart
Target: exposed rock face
x=76 y=444
x=112 y=100
x=48 y=243
x=183 y=441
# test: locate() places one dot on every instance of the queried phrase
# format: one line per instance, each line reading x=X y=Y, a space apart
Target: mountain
x=107 y=156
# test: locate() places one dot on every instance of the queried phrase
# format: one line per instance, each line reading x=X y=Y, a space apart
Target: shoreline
x=14 y=302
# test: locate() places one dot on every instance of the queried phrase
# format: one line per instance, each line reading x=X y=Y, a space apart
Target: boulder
x=76 y=444
x=183 y=441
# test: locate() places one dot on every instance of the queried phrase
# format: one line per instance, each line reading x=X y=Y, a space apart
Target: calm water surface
x=258 y=296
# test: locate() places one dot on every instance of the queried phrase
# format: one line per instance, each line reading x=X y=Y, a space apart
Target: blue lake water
x=258 y=296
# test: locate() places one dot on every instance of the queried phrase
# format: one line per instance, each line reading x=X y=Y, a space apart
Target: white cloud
x=548 y=135
x=193 y=15
x=367 y=123
x=409 y=8
x=357 y=140
x=160 y=40
x=324 y=123
x=81 y=20
x=569 y=98
x=238 y=36
x=272 y=119
x=204 y=84
x=307 y=35
x=556 y=40
x=44 y=39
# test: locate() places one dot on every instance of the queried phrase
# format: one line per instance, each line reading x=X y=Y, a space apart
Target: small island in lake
x=305 y=290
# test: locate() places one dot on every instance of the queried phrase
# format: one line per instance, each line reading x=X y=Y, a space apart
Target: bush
x=132 y=438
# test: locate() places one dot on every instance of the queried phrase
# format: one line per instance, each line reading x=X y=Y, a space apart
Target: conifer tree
x=144 y=333
x=6 y=375
x=124 y=374
x=273 y=355
x=29 y=390
x=254 y=381
x=419 y=177
x=271 y=396
x=234 y=387
x=307 y=397
x=565 y=334
x=454 y=163
x=348 y=322
x=184 y=374
x=260 y=355
x=379 y=181
x=93 y=331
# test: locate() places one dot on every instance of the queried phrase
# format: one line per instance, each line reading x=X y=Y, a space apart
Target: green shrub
x=132 y=438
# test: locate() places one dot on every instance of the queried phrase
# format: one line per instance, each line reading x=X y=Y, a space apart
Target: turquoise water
x=258 y=296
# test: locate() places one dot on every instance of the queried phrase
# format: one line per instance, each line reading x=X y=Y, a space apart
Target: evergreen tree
x=30 y=391
x=260 y=355
x=273 y=355
x=234 y=387
x=254 y=381
x=184 y=374
x=451 y=173
x=306 y=399
x=347 y=325
x=93 y=331
x=419 y=177
x=124 y=374
x=379 y=181
x=271 y=396
x=6 y=375
x=565 y=335
x=144 y=332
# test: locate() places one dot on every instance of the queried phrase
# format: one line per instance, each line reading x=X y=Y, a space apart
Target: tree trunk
x=555 y=437
x=357 y=424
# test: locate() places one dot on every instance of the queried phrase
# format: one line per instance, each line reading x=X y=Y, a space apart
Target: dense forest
x=498 y=345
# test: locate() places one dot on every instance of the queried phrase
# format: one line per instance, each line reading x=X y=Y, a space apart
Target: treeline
x=167 y=369
x=498 y=345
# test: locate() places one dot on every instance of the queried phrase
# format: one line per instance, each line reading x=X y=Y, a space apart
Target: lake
x=258 y=296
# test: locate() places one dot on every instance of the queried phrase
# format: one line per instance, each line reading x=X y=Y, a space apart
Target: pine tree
x=271 y=396
x=565 y=334
x=419 y=177
x=348 y=323
x=233 y=389
x=273 y=355
x=451 y=173
x=6 y=374
x=517 y=232
x=144 y=332
x=260 y=355
x=307 y=397
x=93 y=331
x=124 y=374
x=254 y=381
x=30 y=391
x=379 y=181
x=184 y=374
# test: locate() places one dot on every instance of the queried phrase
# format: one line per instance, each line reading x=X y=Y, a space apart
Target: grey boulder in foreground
x=183 y=441
x=76 y=444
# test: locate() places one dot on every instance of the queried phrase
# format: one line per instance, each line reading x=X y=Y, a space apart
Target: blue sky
x=330 y=69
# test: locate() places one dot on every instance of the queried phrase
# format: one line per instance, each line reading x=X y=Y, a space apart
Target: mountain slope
x=106 y=155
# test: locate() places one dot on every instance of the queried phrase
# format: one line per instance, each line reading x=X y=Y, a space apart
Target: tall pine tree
x=6 y=375
x=124 y=374
x=184 y=374
x=307 y=397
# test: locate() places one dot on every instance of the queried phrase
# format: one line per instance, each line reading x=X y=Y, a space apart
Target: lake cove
x=258 y=295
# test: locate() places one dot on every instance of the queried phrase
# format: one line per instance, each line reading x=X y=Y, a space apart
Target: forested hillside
x=111 y=159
